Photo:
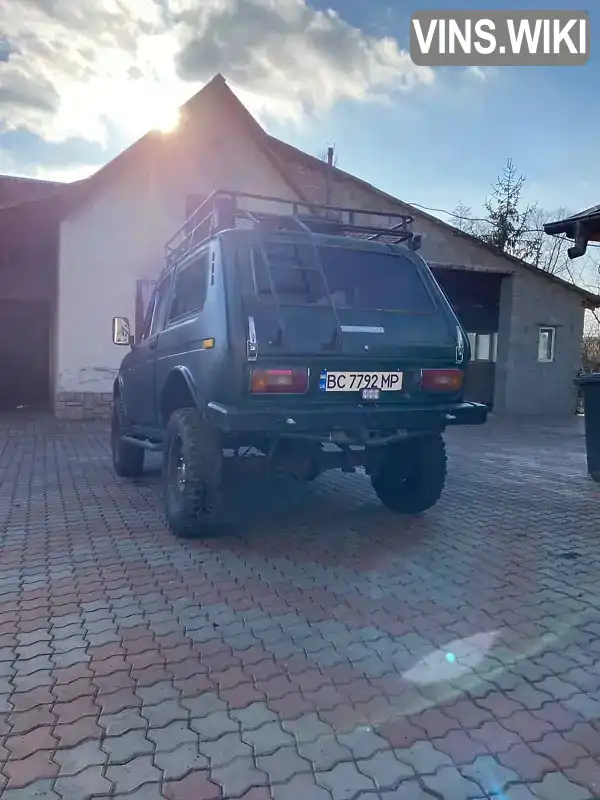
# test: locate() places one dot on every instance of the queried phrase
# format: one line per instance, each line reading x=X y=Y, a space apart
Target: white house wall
x=117 y=238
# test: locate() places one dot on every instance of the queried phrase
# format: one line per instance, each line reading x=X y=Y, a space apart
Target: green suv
x=305 y=336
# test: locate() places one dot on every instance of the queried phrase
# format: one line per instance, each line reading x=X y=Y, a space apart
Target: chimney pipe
x=329 y=176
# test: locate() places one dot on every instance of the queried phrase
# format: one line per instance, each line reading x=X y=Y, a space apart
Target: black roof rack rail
x=224 y=210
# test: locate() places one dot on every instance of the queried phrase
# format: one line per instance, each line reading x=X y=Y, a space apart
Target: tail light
x=441 y=380
x=279 y=381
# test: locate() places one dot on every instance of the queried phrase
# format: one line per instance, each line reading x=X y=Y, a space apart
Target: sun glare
x=167 y=121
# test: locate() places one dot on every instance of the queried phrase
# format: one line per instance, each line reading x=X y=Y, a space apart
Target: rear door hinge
x=460 y=346
x=251 y=344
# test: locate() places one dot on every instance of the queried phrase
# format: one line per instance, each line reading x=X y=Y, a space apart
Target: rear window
x=357 y=279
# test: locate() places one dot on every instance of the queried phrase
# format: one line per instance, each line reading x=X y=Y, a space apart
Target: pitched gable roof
x=288 y=152
x=216 y=96
x=15 y=191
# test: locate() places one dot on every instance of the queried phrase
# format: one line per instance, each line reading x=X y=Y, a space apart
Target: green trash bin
x=590 y=388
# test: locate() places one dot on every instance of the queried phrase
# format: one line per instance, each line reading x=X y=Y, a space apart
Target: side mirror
x=121 y=331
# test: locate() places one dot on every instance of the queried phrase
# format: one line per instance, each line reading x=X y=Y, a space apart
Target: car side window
x=145 y=331
x=163 y=293
x=189 y=290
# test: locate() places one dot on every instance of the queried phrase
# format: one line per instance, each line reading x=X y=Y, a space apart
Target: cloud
x=290 y=54
x=9 y=165
x=68 y=69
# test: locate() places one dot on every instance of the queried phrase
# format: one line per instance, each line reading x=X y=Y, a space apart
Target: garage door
x=24 y=354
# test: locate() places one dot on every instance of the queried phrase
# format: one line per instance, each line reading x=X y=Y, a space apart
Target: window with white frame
x=484 y=346
x=546 y=342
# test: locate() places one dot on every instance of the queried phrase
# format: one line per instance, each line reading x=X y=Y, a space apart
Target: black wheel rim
x=176 y=470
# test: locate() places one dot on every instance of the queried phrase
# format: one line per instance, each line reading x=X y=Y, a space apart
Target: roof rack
x=225 y=210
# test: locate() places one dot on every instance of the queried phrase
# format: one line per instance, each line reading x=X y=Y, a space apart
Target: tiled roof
x=14 y=191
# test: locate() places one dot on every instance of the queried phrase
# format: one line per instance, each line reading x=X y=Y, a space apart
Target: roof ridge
x=322 y=166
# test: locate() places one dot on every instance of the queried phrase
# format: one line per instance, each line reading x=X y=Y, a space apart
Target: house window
x=546 y=339
x=484 y=346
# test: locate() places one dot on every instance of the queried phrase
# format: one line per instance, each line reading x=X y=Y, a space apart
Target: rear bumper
x=344 y=418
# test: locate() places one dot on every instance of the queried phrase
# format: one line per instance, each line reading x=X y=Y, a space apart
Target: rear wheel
x=128 y=460
x=412 y=475
x=192 y=471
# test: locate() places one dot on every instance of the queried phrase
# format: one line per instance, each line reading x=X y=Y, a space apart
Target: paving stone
x=344 y=781
x=31 y=665
x=267 y=739
x=557 y=787
x=39 y=790
x=363 y=742
x=164 y=713
x=171 y=736
x=134 y=774
x=325 y=752
x=451 y=785
x=225 y=749
x=117 y=724
x=76 y=759
x=556 y=688
x=408 y=790
x=238 y=777
x=583 y=704
x=196 y=786
x=423 y=758
x=84 y=786
x=153 y=695
x=253 y=716
x=385 y=770
x=283 y=764
x=586 y=772
x=177 y=763
x=517 y=792
x=89 y=572
x=146 y=792
x=37 y=766
x=489 y=774
x=213 y=726
x=307 y=728
x=205 y=704
x=126 y=747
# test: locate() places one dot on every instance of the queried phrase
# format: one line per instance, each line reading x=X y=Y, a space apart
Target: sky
x=81 y=81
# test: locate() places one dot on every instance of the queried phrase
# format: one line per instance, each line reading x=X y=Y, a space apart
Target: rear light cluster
x=279 y=381
x=441 y=380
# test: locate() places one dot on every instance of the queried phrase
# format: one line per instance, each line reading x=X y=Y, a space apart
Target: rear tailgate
x=378 y=314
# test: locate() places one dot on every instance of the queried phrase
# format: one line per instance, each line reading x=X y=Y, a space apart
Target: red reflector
x=441 y=380
x=279 y=381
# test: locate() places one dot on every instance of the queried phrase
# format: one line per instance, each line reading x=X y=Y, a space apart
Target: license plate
x=358 y=381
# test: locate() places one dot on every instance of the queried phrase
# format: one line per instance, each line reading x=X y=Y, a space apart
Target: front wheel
x=128 y=460
x=192 y=472
x=411 y=477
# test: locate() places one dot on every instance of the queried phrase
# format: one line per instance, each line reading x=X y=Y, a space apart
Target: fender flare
x=184 y=373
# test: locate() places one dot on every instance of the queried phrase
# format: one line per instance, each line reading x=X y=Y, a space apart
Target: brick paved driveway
x=328 y=650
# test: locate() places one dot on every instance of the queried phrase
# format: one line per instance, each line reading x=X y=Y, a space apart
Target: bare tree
x=518 y=229
x=548 y=252
x=464 y=219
